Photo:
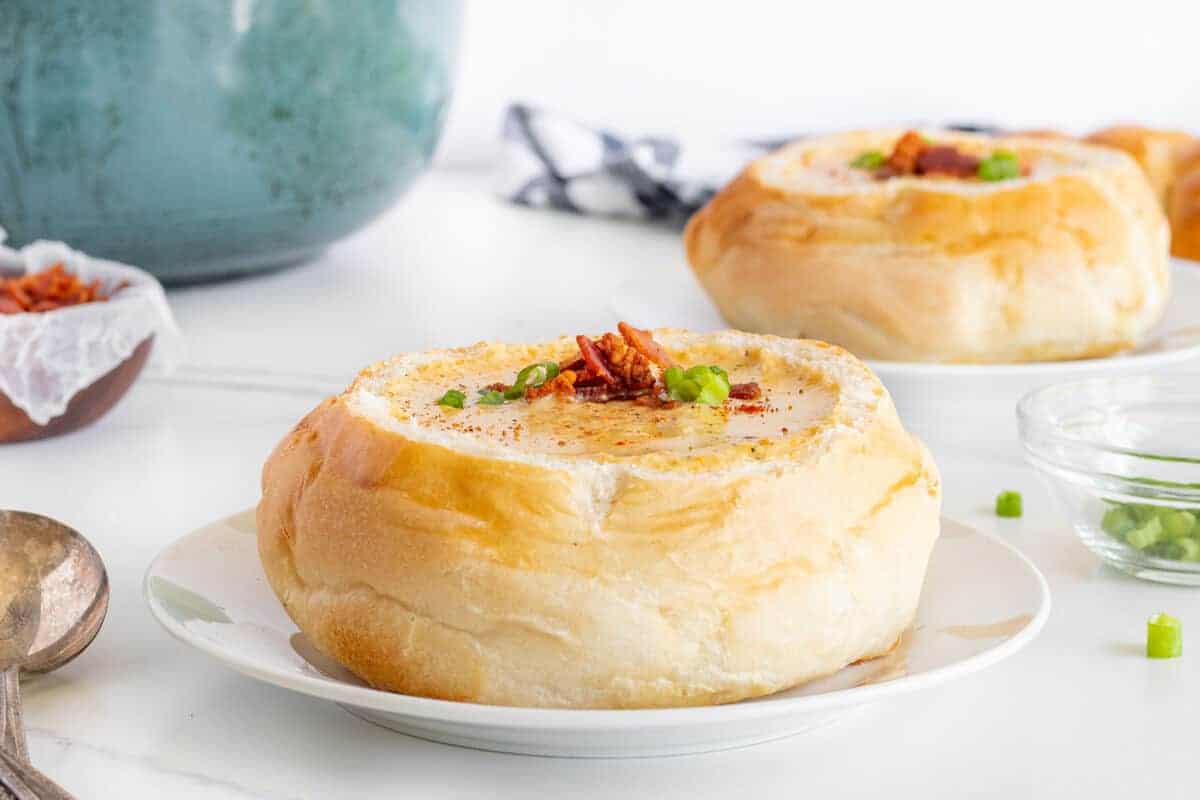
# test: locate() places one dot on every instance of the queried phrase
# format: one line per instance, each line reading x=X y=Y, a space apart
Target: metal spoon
x=53 y=598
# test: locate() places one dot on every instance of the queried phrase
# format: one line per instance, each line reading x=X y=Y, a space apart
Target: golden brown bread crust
x=430 y=570
x=1156 y=152
x=1071 y=263
x=1184 y=204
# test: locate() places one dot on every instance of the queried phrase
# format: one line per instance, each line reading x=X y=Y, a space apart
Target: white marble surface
x=1080 y=713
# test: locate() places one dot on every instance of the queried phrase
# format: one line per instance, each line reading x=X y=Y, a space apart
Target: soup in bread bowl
x=642 y=519
x=939 y=246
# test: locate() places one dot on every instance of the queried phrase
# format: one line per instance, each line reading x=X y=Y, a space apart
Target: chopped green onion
x=1145 y=535
x=1118 y=521
x=490 y=397
x=1008 y=504
x=1187 y=549
x=684 y=390
x=713 y=382
x=871 y=159
x=705 y=385
x=535 y=375
x=999 y=166
x=531 y=377
x=1177 y=524
x=453 y=398
x=1160 y=531
x=1164 y=637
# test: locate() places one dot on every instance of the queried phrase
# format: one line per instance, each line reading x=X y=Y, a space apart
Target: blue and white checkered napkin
x=549 y=161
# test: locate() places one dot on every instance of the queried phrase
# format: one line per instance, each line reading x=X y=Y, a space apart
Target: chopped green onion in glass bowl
x=1122 y=457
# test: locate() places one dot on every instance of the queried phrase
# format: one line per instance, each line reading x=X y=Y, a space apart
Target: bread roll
x=1069 y=261
x=1155 y=151
x=1184 y=204
x=571 y=554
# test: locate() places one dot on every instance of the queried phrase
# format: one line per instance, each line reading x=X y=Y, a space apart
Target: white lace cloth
x=46 y=358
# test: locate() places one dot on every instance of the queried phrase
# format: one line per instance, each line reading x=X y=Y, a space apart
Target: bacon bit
x=753 y=408
x=643 y=342
x=945 y=160
x=498 y=387
x=47 y=290
x=563 y=384
x=603 y=394
x=654 y=400
x=906 y=152
x=745 y=391
x=574 y=363
x=629 y=367
x=912 y=155
x=594 y=360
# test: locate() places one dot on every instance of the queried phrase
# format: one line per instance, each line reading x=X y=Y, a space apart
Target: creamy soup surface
x=794 y=401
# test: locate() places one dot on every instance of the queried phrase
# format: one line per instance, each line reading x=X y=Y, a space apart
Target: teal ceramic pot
x=207 y=138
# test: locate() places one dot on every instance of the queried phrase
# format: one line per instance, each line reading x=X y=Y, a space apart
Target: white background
x=755 y=68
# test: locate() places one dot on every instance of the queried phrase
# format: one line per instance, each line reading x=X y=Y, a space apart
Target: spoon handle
x=12 y=731
x=23 y=782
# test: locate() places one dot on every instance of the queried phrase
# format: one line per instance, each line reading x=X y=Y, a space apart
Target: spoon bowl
x=53 y=600
x=58 y=563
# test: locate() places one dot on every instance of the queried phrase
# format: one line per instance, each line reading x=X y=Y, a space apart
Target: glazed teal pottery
x=206 y=138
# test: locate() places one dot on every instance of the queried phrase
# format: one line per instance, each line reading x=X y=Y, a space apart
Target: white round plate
x=982 y=602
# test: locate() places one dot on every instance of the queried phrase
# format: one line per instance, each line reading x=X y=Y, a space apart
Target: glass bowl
x=1122 y=456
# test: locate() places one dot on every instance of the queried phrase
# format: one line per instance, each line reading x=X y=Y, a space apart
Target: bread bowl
x=554 y=552
x=1154 y=150
x=1184 y=204
x=1065 y=259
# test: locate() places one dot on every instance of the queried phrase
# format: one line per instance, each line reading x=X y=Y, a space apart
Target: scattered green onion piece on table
x=453 y=398
x=1164 y=637
x=871 y=159
x=491 y=397
x=1008 y=504
x=999 y=166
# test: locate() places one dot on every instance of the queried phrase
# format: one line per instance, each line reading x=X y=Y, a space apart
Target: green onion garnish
x=490 y=397
x=453 y=398
x=708 y=386
x=1164 y=637
x=1008 y=504
x=535 y=375
x=871 y=159
x=529 y=377
x=999 y=166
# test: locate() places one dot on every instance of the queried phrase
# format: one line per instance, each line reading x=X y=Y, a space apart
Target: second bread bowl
x=1066 y=258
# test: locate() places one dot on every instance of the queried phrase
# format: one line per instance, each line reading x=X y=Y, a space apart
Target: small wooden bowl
x=87 y=406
